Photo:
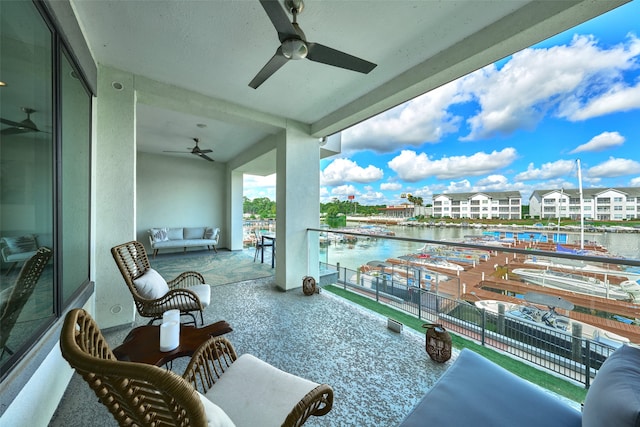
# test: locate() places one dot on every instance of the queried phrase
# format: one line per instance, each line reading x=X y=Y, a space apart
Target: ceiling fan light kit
x=294 y=44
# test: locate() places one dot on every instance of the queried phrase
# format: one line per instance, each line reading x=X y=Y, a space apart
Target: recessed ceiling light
x=2 y=84
x=117 y=85
x=201 y=125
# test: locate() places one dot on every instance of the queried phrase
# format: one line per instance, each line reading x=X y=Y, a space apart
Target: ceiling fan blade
x=205 y=151
x=204 y=156
x=10 y=122
x=14 y=131
x=327 y=55
x=279 y=19
x=274 y=64
x=179 y=152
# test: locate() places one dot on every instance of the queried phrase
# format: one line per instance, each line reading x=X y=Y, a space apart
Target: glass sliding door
x=26 y=173
x=75 y=175
x=45 y=177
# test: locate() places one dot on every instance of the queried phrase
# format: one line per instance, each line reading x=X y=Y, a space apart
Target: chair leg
x=11 y=268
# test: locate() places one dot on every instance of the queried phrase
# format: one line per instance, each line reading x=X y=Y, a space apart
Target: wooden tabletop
x=143 y=343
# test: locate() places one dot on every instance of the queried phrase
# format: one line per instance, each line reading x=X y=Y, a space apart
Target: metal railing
x=557 y=351
x=415 y=292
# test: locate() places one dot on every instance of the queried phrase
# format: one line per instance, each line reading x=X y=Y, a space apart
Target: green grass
x=529 y=373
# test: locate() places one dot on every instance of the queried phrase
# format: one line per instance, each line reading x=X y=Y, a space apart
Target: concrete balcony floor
x=377 y=375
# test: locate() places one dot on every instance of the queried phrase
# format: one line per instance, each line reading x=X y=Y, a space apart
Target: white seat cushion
x=151 y=285
x=216 y=417
x=203 y=292
x=254 y=393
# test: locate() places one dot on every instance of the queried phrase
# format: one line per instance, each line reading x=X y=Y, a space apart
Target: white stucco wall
x=180 y=192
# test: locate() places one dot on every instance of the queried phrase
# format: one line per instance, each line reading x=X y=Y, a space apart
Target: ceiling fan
x=196 y=150
x=26 y=125
x=294 y=44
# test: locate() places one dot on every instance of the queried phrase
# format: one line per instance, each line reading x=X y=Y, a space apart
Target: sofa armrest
x=476 y=391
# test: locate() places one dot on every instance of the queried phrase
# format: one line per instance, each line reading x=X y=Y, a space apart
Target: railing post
x=576 y=342
x=587 y=364
x=483 y=324
x=378 y=288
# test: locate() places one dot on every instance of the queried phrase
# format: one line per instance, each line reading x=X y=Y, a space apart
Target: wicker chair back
x=132 y=261
x=136 y=394
x=22 y=290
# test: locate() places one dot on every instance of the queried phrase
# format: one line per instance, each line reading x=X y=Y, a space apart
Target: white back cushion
x=151 y=285
x=216 y=417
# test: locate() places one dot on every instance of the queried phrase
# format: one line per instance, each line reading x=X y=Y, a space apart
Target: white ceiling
x=216 y=47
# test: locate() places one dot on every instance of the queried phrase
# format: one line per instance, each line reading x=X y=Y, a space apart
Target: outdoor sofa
x=183 y=237
x=476 y=392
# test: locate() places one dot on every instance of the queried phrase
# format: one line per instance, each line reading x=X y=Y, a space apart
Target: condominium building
x=485 y=205
x=605 y=204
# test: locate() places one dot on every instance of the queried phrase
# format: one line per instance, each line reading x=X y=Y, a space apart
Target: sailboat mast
x=581 y=205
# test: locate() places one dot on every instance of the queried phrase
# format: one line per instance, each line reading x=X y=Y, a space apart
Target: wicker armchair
x=146 y=395
x=20 y=293
x=187 y=292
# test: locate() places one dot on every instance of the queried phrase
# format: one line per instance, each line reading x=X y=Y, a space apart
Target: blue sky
x=519 y=124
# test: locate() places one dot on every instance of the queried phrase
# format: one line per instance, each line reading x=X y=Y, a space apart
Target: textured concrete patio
x=377 y=375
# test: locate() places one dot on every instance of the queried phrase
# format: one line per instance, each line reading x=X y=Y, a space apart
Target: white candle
x=171 y=316
x=169 y=336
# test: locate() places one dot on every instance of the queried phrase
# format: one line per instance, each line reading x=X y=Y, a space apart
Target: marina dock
x=483 y=281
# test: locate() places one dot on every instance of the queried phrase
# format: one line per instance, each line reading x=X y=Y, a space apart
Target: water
x=354 y=255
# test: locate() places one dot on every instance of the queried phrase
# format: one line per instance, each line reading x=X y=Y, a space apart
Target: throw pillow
x=26 y=243
x=216 y=417
x=159 y=234
x=211 y=233
x=614 y=396
x=151 y=285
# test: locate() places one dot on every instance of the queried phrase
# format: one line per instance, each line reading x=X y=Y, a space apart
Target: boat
x=528 y=313
x=572 y=282
x=470 y=256
x=632 y=287
x=426 y=261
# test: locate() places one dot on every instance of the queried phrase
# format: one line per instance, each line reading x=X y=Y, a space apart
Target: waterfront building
x=483 y=205
x=603 y=204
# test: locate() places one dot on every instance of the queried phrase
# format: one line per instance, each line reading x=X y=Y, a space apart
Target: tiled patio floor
x=377 y=375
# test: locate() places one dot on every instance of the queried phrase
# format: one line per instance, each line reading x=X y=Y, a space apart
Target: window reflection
x=26 y=175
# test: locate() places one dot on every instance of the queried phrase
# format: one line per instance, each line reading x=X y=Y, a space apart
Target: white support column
x=115 y=189
x=234 y=215
x=298 y=207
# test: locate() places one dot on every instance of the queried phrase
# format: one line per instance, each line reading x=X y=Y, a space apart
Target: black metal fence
x=571 y=356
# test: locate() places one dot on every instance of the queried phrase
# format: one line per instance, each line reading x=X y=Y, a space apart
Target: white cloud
x=341 y=171
x=614 y=167
x=344 y=190
x=463 y=186
x=547 y=171
x=372 y=198
x=424 y=119
x=256 y=186
x=601 y=142
x=564 y=79
x=413 y=167
x=390 y=186
x=618 y=98
x=493 y=183
x=635 y=182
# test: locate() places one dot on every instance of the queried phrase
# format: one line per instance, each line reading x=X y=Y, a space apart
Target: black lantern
x=437 y=343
